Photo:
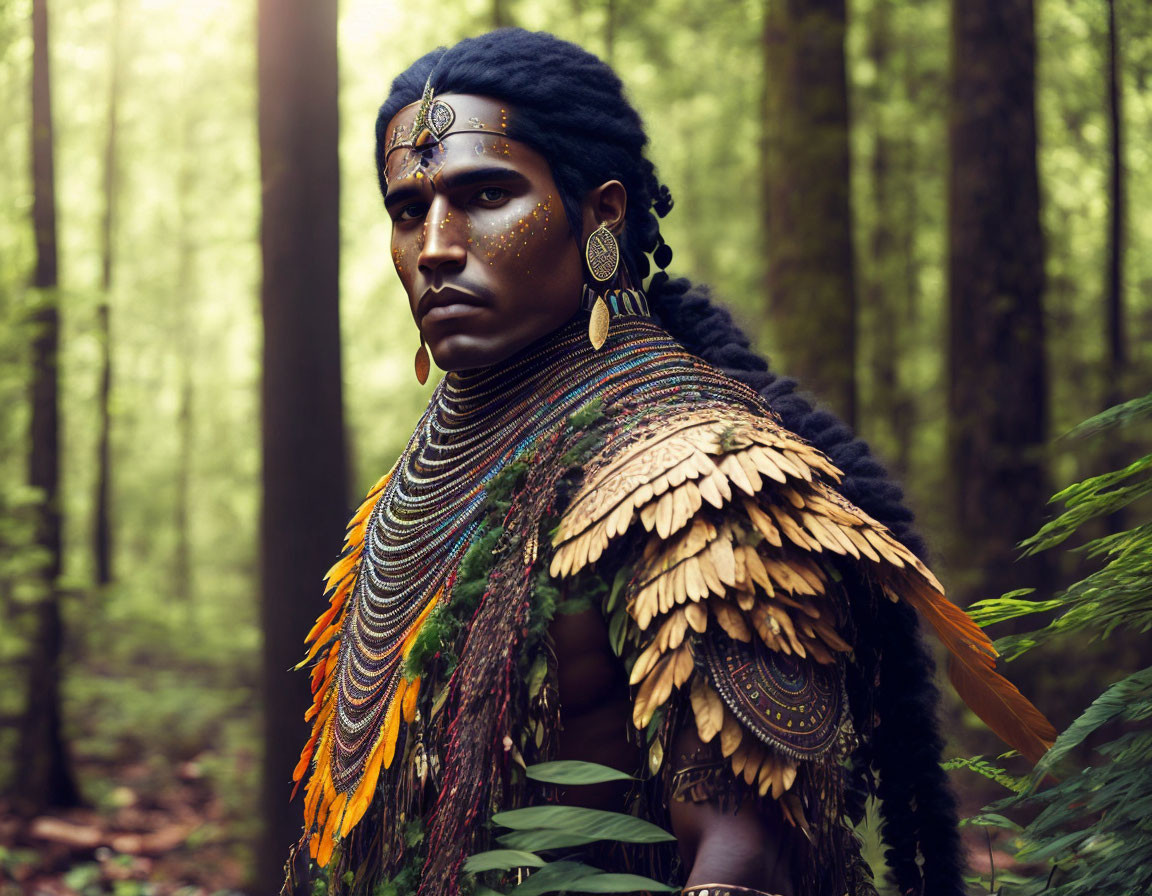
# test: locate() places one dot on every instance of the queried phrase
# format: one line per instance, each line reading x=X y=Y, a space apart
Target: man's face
x=479 y=239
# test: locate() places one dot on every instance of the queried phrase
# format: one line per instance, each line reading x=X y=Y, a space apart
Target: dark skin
x=483 y=248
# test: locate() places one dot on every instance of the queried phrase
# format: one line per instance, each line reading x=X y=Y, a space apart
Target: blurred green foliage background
x=160 y=699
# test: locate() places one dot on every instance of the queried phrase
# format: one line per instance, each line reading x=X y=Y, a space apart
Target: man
x=599 y=546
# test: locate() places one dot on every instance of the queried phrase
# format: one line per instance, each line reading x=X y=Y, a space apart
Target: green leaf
x=1113 y=703
x=574 y=605
x=501 y=860
x=1118 y=415
x=577 y=820
x=554 y=877
x=542 y=840
x=618 y=585
x=618 y=631
x=622 y=883
x=992 y=820
x=978 y=765
x=537 y=675
x=574 y=772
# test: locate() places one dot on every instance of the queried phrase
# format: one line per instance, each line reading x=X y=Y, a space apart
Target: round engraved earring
x=602 y=256
x=422 y=363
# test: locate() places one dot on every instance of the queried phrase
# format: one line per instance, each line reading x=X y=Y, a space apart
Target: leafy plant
x=538 y=829
x=1094 y=825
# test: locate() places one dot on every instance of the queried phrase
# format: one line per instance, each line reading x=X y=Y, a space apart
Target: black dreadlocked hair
x=570 y=107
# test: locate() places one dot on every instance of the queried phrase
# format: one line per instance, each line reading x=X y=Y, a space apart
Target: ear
x=605 y=204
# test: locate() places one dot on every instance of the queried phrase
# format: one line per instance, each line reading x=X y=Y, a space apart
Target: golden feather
x=707 y=708
x=687 y=471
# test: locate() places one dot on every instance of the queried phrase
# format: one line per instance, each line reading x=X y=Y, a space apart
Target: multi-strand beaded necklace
x=427 y=515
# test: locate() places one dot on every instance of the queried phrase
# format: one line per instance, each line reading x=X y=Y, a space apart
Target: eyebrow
x=456 y=181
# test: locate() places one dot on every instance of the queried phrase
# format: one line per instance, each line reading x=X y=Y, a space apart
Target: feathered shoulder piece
x=736 y=596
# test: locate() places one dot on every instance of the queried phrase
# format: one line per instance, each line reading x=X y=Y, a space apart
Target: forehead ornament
x=433 y=122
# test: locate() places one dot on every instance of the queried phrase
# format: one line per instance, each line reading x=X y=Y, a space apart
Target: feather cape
x=739 y=534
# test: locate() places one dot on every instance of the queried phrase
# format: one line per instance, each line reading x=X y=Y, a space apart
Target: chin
x=459 y=353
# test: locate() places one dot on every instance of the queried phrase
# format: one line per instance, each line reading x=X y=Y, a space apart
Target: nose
x=445 y=238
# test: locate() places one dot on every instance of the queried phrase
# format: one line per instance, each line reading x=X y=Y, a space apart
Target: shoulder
x=739 y=543
x=741 y=546
x=675 y=468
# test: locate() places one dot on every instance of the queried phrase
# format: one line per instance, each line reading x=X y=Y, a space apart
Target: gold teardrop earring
x=602 y=256
x=423 y=365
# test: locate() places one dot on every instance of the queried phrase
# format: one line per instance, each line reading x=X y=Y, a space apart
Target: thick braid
x=918 y=806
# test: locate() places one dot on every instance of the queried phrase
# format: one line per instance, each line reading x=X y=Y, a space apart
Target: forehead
x=475 y=138
x=471 y=112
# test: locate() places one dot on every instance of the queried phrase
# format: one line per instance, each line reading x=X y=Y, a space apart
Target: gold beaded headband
x=433 y=122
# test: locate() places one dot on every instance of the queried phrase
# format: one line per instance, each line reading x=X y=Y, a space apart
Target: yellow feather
x=731 y=620
x=862 y=544
x=737 y=474
x=696 y=616
x=708 y=709
x=410 y=638
x=730 y=735
x=392 y=723
x=410 y=695
x=765 y=461
x=328 y=837
x=341 y=568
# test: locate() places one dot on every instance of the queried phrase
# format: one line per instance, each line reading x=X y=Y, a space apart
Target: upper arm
x=724 y=833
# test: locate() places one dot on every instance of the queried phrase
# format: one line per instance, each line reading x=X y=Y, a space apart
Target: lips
x=447 y=302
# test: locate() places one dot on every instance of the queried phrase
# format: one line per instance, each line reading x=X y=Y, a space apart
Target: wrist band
x=721 y=890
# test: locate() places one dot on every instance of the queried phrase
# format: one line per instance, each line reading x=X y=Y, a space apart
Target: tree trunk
x=305 y=498
x=998 y=390
x=610 y=17
x=1116 y=358
x=185 y=341
x=807 y=205
x=182 y=569
x=500 y=17
x=101 y=525
x=880 y=280
x=45 y=778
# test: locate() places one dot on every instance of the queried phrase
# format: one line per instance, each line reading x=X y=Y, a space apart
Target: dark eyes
x=412 y=211
x=491 y=195
x=488 y=197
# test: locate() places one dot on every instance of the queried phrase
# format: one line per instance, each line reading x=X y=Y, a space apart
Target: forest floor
x=181 y=839
x=178 y=839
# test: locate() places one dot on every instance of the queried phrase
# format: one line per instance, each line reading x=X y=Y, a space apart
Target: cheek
x=521 y=235
x=406 y=248
x=400 y=259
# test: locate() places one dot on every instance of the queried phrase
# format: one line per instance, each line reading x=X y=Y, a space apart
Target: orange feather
x=410 y=638
x=972 y=671
x=324 y=638
x=392 y=724
x=410 y=695
x=365 y=790
x=322 y=623
x=341 y=568
x=328 y=836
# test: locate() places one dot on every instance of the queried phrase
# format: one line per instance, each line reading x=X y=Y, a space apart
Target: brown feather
x=973 y=673
x=731 y=620
x=708 y=709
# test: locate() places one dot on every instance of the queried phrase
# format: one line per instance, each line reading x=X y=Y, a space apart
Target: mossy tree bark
x=305 y=497
x=998 y=387
x=810 y=285
x=45 y=778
